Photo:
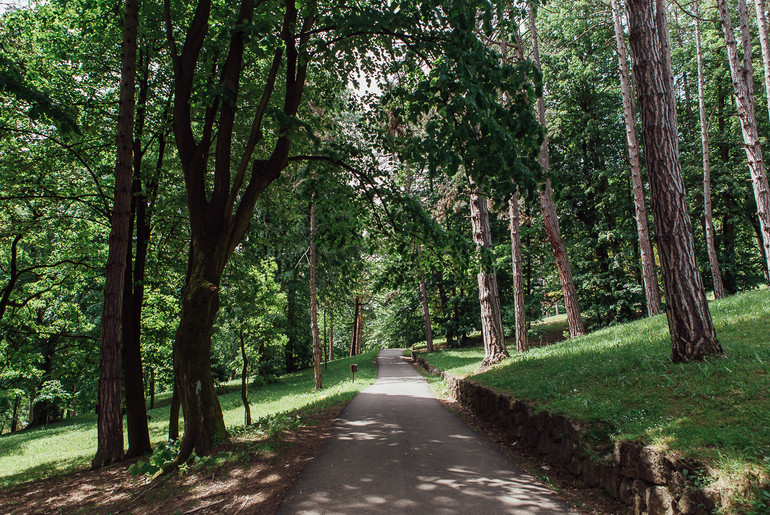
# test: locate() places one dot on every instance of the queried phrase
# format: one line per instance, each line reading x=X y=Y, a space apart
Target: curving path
x=396 y=449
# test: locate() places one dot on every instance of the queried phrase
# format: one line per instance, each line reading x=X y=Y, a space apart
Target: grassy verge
x=70 y=445
x=716 y=412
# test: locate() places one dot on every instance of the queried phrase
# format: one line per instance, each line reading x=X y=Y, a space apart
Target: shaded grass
x=70 y=445
x=716 y=411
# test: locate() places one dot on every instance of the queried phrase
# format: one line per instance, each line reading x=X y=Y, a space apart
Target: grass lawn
x=717 y=411
x=70 y=445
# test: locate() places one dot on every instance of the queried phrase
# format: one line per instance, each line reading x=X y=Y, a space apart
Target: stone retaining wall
x=641 y=477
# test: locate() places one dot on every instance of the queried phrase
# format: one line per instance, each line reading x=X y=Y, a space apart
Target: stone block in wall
x=575 y=466
x=611 y=481
x=541 y=420
x=626 y=457
x=659 y=501
x=652 y=466
x=592 y=473
x=626 y=491
x=558 y=425
x=640 y=495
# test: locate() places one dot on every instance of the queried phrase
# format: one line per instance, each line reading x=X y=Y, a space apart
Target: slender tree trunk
x=518 y=275
x=689 y=319
x=759 y=7
x=424 y=302
x=650 y=278
x=173 y=421
x=354 y=332
x=489 y=298
x=331 y=336
x=314 y=300
x=743 y=87
x=359 y=327
x=15 y=415
x=716 y=274
x=110 y=420
x=245 y=382
x=550 y=219
x=152 y=387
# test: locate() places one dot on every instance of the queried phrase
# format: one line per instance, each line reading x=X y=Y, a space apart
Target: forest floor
x=250 y=474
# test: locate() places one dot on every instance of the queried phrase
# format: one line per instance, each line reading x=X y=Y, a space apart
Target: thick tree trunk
x=489 y=297
x=518 y=275
x=424 y=302
x=550 y=219
x=110 y=420
x=245 y=382
x=650 y=278
x=204 y=423
x=314 y=301
x=716 y=274
x=743 y=87
x=689 y=319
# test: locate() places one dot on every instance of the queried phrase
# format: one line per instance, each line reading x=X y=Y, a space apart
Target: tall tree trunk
x=245 y=382
x=716 y=274
x=743 y=87
x=15 y=415
x=173 y=421
x=759 y=8
x=689 y=320
x=354 y=332
x=152 y=387
x=110 y=420
x=331 y=336
x=489 y=298
x=424 y=302
x=359 y=326
x=314 y=300
x=133 y=288
x=518 y=275
x=650 y=278
x=550 y=219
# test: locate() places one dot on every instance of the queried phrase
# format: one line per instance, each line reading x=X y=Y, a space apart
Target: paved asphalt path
x=396 y=449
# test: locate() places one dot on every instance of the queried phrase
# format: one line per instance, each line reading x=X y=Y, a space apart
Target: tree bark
x=173 y=421
x=518 y=275
x=424 y=302
x=689 y=320
x=354 y=332
x=716 y=274
x=489 y=297
x=550 y=219
x=110 y=420
x=759 y=8
x=743 y=88
x=650 y=278
x=313 y=299
x=331 y=336
x=245 y=382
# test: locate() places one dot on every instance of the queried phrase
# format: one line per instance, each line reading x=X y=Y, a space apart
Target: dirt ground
x=256 y=481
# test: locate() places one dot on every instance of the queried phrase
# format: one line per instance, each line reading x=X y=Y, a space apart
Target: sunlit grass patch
x=70 y=445
x=716 y=411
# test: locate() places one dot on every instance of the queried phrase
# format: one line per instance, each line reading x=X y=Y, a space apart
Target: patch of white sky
x=12 y=5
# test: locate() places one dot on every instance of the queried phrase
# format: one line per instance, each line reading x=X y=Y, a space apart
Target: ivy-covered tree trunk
x=743 y=87
x=716 y=273
x=689 y=320
x=649 y=277
x=519 y=306
x=550 y=218
x=424 y=302
x=110 y=419
x=489 y=297
x=313 y=300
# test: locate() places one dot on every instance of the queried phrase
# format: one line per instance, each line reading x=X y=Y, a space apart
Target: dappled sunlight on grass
x=70 y=445
x=623 y=376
